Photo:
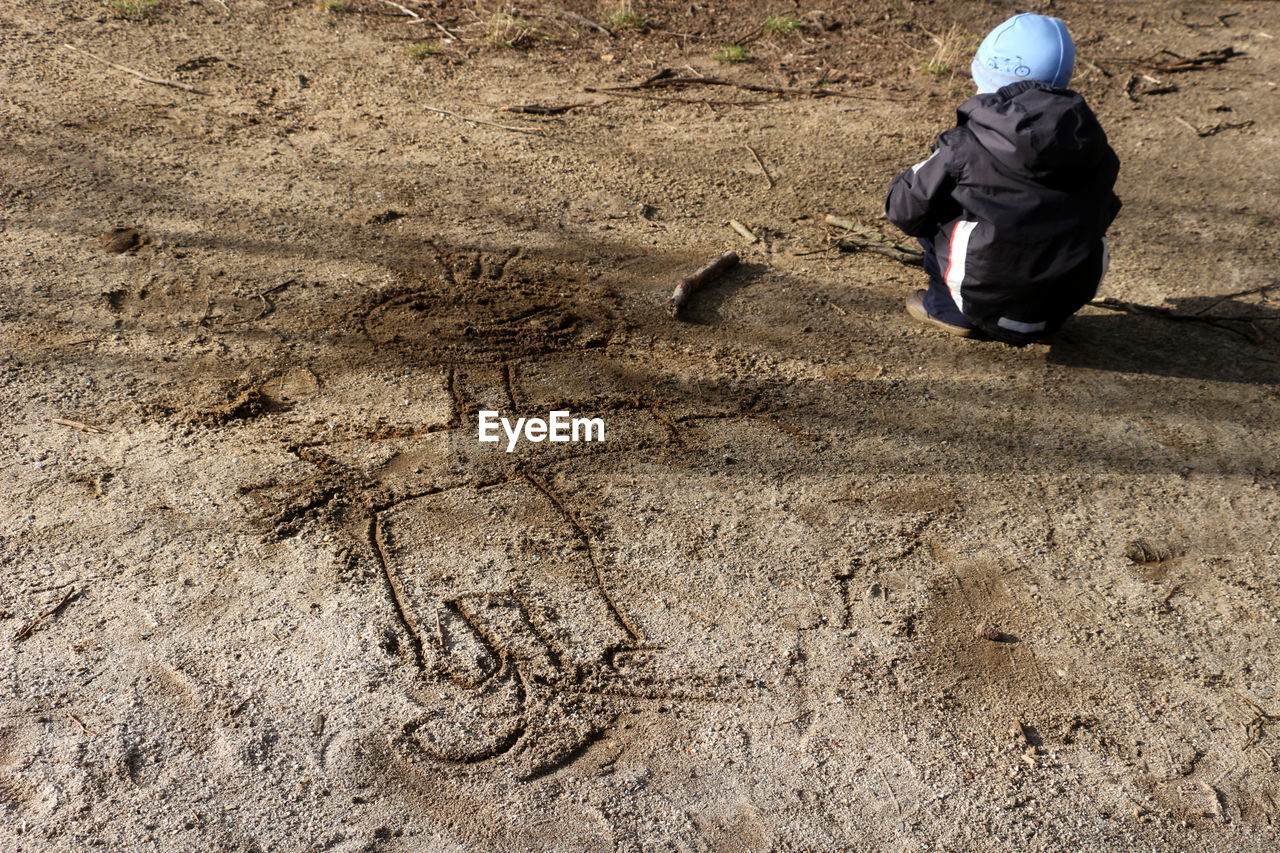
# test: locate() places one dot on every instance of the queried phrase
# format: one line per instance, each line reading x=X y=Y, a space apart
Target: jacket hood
x=1035 y=129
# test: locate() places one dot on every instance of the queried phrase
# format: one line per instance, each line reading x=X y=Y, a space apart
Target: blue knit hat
x=1025 y=47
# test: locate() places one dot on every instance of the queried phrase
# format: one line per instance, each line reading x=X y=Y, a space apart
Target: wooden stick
x=749 y=87
x=586 y=22
x=25 y=630
x=482 y=121
x=544 y=109
x=743 y=230
x=902 y=256
x=700 y=101
x=689 y=286
x=158 y=81
x=865 y=239
x=77 y=425
x=1169 y=314
x=73 y=718
x=405 y=9
x=760 y=163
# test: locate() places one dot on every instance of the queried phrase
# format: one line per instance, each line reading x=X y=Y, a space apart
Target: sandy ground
x=267 y=591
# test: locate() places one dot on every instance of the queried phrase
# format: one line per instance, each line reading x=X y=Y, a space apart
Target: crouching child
x=1013 y=206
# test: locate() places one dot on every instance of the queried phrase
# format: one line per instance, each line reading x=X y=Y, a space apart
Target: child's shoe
x=915 y=307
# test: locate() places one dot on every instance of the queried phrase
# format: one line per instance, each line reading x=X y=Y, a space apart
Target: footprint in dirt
x=509 y=620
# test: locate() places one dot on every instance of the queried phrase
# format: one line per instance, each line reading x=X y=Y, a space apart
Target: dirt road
x=262 y=588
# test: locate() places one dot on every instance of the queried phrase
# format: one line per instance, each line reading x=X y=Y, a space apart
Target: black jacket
x=1017 y=199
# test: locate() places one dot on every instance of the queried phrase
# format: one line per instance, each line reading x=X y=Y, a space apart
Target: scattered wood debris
x=862 y=238
x=689 y=286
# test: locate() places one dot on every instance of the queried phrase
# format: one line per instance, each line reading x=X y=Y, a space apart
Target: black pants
x=937 y=299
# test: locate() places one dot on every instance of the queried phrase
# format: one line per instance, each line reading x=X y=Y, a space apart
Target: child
x=1013 y=205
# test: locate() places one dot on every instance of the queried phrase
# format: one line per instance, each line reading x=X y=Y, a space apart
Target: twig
x=26 y=630
x=1095 y=66
x=405 y=9
x=77 y=425
x=743 y=230
x=688 y=286
x=699 y=101
x=1215 y=129
x=73 y=718
x=156 y=80
x=1203 y=59
x=760 y=163
x=793 y=719
x=1163 y=606
x=749 y=87
x=902 y=256
x=461 y=117
x=1111 y=304
x=865 y=239
x=1248 y=292
x=543 y=109
x=894 y=796
x=1185 y=123
x=586 y=22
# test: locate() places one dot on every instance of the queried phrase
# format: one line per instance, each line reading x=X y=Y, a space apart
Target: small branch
x=461 y=117
x=902 y=256
x=699 y=101
x=544 y=109
x=743 y=230
x=749 y=87
x=760 y=163
x=1216 y=322
x=405 y=9
x=689 y=286
x=148 y=78
x=73 y=718
x=1203 y=59
x=586 y=22
x=26 y=630
x=77 y=425
x=864 y=239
